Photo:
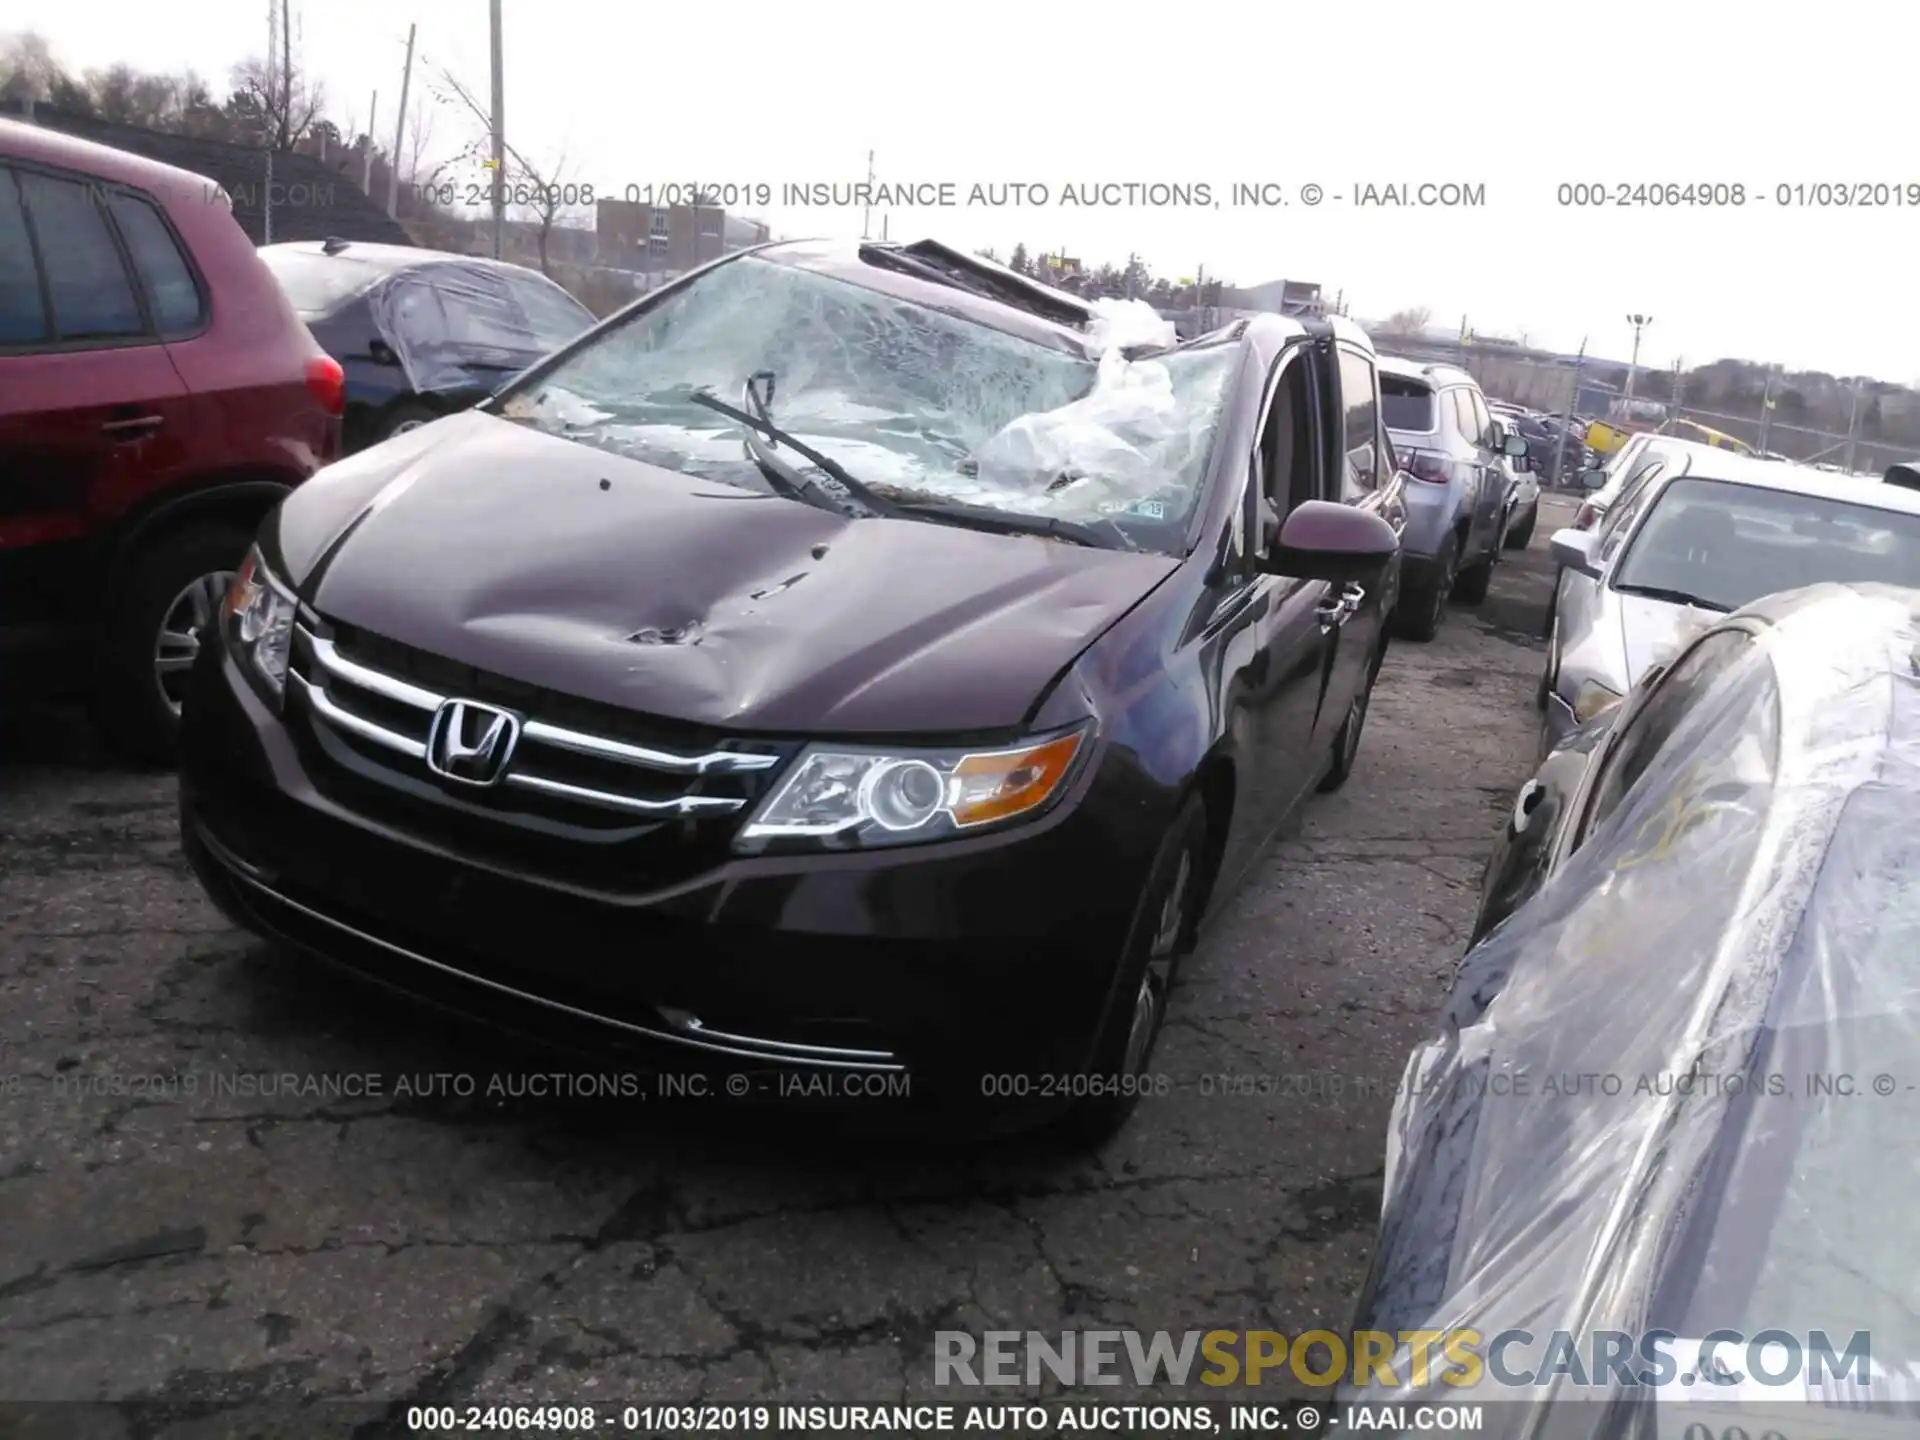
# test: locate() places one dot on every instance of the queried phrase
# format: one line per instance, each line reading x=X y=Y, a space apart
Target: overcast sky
x=1519 y=97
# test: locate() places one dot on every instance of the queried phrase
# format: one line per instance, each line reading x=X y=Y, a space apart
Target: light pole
x=1639 y=323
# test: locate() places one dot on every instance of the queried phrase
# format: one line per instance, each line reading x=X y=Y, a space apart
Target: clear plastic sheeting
x=453 y=326
x=913 y=400
x=1676 y=1090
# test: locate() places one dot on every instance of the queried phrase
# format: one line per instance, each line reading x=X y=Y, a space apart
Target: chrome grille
x=652 y=798
x=332 y=681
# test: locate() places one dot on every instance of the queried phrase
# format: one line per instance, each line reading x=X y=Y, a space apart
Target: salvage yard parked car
x=157 y=397
x=847 y=658
x=1703 y=533
x=1661 y=1099
x=421 y=333
x=1459 y=501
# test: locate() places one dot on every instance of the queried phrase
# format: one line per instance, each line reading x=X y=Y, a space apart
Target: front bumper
x=950 y=961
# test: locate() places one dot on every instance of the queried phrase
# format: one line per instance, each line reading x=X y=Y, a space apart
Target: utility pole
x=866 y=214
x=1639 y=323
x=1132 y=260
x=1566 y=423
x=267 y=136
x=287 y=136
x=1674 y=406
x=366 y=165
x=1853 y=427
x=400 y=130
x=1766 y=406
x=499 y=122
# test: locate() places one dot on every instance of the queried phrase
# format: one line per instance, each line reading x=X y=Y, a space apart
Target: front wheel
x=1346 y=744
x=1522 y=535
x=1161 y=933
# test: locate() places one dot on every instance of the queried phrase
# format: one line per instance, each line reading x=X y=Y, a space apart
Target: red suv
x=158 y=395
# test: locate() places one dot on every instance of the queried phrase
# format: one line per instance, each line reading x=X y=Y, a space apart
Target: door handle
x=1336 y=610
x=135 y=428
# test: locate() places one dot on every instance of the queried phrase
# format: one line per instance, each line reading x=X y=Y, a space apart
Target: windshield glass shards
x=921 y=405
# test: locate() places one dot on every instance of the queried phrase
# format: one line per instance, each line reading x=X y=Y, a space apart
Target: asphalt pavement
x=226 y=1178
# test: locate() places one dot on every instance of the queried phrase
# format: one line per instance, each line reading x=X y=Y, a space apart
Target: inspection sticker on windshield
x=1151 y=509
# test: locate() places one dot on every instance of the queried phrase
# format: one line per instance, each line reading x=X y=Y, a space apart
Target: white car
x=1701 y=534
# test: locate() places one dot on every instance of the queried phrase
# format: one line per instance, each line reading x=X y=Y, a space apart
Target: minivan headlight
x=258 y=621
x=839 y=797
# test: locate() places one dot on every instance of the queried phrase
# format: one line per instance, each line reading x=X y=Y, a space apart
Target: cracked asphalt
x=248 y=1242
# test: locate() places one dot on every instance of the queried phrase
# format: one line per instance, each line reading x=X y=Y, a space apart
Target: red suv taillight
x=328 y=383
x=1428 y=466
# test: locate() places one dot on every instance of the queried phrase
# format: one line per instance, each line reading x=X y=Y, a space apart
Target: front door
x=1267 y=630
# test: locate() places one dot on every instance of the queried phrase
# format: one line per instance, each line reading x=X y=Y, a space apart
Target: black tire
x=1162 y=932
x=1553 y=606
x=408 y=415
x=1522 y=537
x=1423 y=607
x=1346 y=744
x=135 y=704
x=1470 y=586
x=1547 y=676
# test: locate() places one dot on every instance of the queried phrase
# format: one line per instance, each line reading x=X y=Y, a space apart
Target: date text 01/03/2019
x=1735 y=195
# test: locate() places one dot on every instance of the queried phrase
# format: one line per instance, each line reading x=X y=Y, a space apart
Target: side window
x=1692 y=675
x=1482 y=420
x=552 y=314
x=1633 y=499
x=92 y=293
x=23 y=313
x=1285 y=470
x=171 y=289
x=481 y=312
x=417 y=315
x=1362 y=472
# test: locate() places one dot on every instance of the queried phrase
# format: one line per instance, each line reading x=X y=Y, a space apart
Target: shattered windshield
x=917 y=404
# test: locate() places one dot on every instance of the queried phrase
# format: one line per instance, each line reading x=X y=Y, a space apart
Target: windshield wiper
x=799 y=486
x=1014 y=522
x=1672 y=597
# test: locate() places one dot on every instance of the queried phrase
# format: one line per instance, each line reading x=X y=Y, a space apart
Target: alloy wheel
x=177 y=644
x=1158 y=976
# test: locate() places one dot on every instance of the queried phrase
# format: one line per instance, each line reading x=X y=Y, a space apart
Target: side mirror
x=1574 y=550
x=1336 y=543
x=381 y=353
x=1513 y=446
x=1594 y=479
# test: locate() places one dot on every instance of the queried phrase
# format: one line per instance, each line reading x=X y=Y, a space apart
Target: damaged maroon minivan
x=848 y=658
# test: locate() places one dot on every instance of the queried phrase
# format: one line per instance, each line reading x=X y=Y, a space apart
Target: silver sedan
x=1688 y=544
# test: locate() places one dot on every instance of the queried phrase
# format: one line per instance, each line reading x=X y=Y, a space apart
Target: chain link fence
x=1559 y=385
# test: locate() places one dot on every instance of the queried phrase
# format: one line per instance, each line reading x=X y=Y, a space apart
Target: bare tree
x=544 y=187
x=285 y=98
x=1412 y=321
x=28 y=70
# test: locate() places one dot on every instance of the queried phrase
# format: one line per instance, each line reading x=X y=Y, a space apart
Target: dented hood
x=602 y=577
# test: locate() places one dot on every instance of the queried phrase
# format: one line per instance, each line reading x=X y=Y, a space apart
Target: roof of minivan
x=165 y=183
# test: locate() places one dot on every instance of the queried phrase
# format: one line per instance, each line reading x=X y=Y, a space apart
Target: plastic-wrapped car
x=420 y=333
x=1671 y=1096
